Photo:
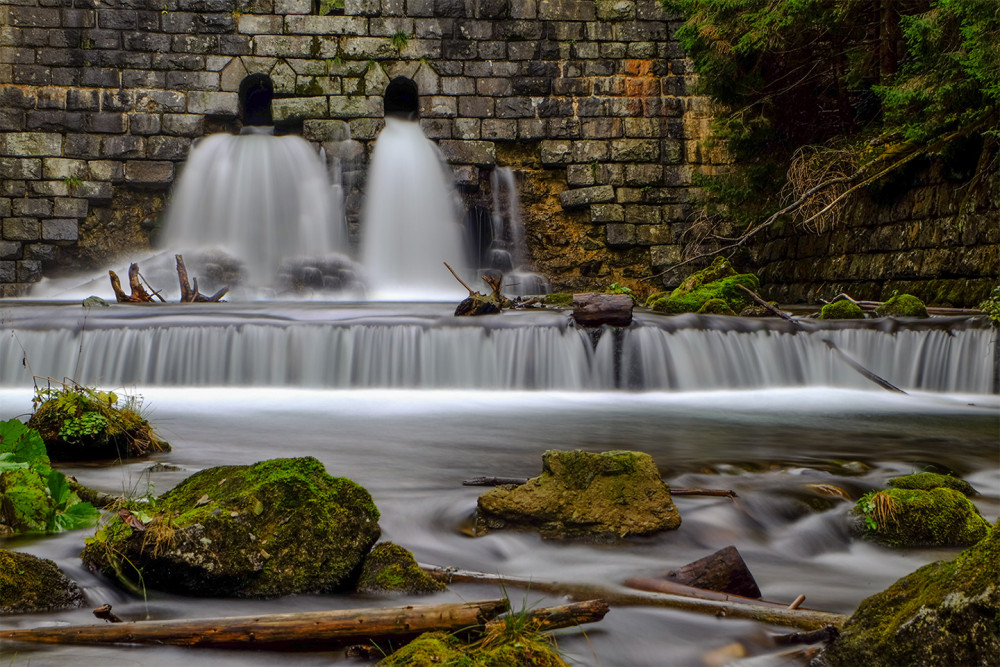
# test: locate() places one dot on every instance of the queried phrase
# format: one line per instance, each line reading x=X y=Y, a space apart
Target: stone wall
x=587 y=100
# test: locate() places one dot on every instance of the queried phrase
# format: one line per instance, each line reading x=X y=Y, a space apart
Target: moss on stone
x=727 y=289
x=946 y=613
x=910 y=517
x=716 y=307
x=511 y=645
x=902 y=305
x=274 y=528
x=579 y=494
x=719 y=268
x=390 y=568
x=926 y=481
x=559 y=299
x=841 y=310
x=30 y=584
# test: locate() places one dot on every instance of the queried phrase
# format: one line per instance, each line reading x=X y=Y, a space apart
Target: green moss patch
x=510 y=645
x=390 y=568
x=902 y=305
x=559 y=299
x=79 y=423
x=926 y=481
x=274 y=528
x=946 y=613
x=911 y=517
x=841 y=310
x=30 y=584
x=579 y=494
x=718 y=282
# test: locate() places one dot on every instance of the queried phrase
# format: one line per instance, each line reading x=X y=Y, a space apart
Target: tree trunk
x=724 y=571
x=888 y=43
x=594 y=310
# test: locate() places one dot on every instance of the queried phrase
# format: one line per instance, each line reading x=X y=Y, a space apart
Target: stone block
x=34 y=17
x=635 y=150
x=37 y=208
x=437 y=106
x=343 y=106
x=12 y=188
x=21 y=229
x=643 y=174
x=199 y=81
x=467 y=128
x=8 y=250
x=436 y=128
x=581 y=175
x=160 y=101
x=65 y=207
x=567 y=10
x=665 y=255
x=30 y=144
x=369 y=8
x=149 y=173
x=583 y=197
x=26 y=168
x=530 y=129
x=8 y=272
x=301 y=107
x=618 y=234
x=58 y=168
x=11 y=120
x=29 y=271
x=254 y=24
x=457 y=85
x=43 y=252
x=125 y=146
x=475 y=107
x=144 y=123
x=178 y=61
x=326 y=130
x=590 y=151
x=480 y=153
x=60 y=229
x=82 y=145
x=168 y=148
x=332 y=25
x=212 y=103
x=364 y=129
x=104 y=170
x=499 y=130
x=48 y=189
x=653 y=234
x=117 y=100
x=607 y=213
x=4 y=207
x=556 y=152
x=58 y=121
x=642 y=215
x=105 y=123
x=183 y=125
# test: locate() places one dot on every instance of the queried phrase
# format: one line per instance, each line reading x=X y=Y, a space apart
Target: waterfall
x=508 y=252
x=316 y=346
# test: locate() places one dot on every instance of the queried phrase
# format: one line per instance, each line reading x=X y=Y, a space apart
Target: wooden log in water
x=591 y=309
x=319 y=628
x=561 y=616
x=621 y=596
x=723 y=571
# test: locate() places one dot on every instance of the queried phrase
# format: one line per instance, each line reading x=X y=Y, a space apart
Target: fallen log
x=592 y=309
x=826 y=635
x=723 y=571
x=653 y=585
x=561 y=616
x=721 y=493
x=621 y=596
x=318 y=628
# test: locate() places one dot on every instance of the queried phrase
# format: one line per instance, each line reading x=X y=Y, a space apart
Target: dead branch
x=806 y=619
x=722 y=493
x=189 y=288
x=561 y=616
x=472 y=292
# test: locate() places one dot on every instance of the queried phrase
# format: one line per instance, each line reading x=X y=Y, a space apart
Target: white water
x=259 y=198
x=508 y=251
x=410 y=224
x=424 y=347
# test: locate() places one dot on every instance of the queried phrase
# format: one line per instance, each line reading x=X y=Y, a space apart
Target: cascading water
x=507 y=252
x=262 y=199
x=410 y=223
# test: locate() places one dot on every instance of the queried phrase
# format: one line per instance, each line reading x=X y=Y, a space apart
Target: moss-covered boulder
x=274 y=528
x=902 y=305
x=925 y=481
x=78 y=423
x=944 y=614
x=912 y=518
x=580 y=494
x=29 y=584
x=716 y=282
x=390 y=568
x=517 y=648
x=716 y=307
x=841 y=310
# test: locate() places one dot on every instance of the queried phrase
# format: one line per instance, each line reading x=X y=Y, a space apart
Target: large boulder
x=274 y=528
x=902 y=305
x=579 y=494
x=926 y=481
x=30 y=584
x=940 y=517
x=943 y=614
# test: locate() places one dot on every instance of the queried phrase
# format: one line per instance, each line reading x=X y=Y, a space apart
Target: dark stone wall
x=589 y=101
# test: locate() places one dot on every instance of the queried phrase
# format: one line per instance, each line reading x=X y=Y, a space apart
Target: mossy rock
x=529 y=649
x=277 y=527
x=559 y=299
x=716 y=307
x=914 y=518
x=390 y=568
x=30 y=584
x=78 y=423
x=719 y=268
x=926 y=481
x=654 y=297
x=726 y=289
x=841 y=310
x=902 y=305
x=946 y=613
x=579 y=494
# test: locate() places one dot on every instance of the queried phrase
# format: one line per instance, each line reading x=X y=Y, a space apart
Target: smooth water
x=261 y=199
x=410 y=222
x=508 y=251
x=412 y=449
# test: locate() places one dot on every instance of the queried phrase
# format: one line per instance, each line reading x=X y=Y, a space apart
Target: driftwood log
x=189 y=289
x=591 y=309
x=622 y=596
x=723 y=571
x=318 y=628
x=561 y=616
x=138 y=294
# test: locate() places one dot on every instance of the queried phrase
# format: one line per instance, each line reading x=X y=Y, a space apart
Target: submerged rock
x=716 y=282
x=911 y=517
x=841 y=310
x=943 y=614
x=277 y=527
x=30 y=584
x=902 y=305
x=580 y=494
x=390 y=568
x=926 y=481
